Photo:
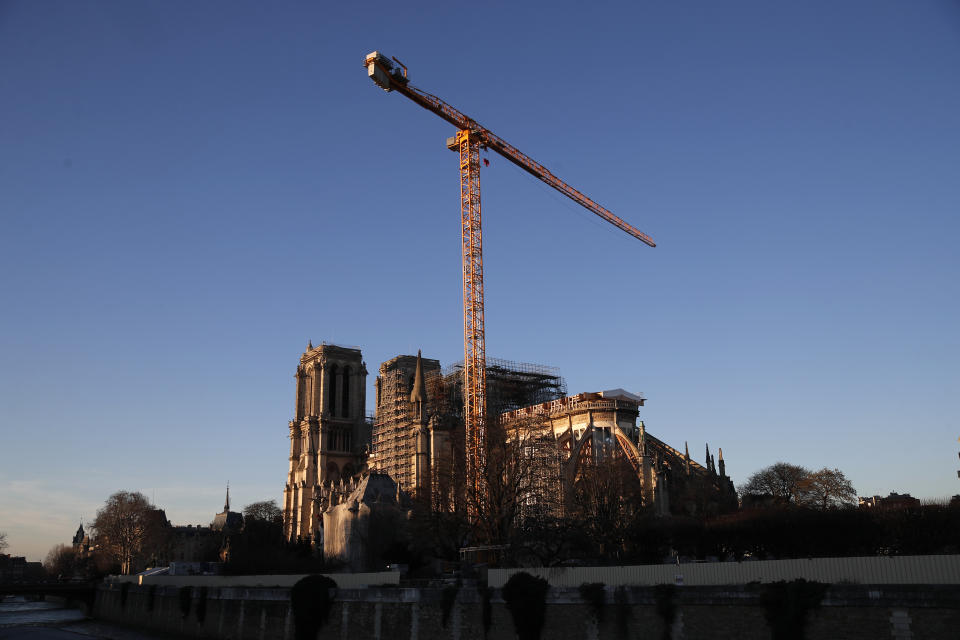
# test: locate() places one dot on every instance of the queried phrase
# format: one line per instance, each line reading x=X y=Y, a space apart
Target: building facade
x=329 y=435
x=590 y=430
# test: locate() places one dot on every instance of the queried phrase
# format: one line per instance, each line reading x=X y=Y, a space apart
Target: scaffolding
x=394 y=445
x=510 y=385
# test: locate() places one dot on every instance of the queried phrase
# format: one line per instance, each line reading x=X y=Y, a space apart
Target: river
x=23 y=619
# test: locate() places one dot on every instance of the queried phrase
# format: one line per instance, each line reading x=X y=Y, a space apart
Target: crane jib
x=382 y=71
x=492 y=141
x=537 y=170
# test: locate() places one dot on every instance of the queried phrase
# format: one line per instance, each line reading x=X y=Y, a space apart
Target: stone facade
x=590 y=427
x=329 y=434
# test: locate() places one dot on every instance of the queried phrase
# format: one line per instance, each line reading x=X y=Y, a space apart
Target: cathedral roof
x=374 y=489
x=228 y=522
x=622 y=394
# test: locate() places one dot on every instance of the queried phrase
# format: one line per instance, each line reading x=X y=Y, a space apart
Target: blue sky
x=191 y=191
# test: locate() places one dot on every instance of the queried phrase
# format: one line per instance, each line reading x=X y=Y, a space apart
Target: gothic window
x=300 y=389
x=345 y=403
x=332 y=387
x=348 y=471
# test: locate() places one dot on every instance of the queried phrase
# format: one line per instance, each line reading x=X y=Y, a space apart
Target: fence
x=941 y=569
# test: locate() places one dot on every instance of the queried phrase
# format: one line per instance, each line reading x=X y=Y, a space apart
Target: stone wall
x=389 y=613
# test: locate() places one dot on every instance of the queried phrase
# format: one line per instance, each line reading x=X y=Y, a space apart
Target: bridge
x=83 y=592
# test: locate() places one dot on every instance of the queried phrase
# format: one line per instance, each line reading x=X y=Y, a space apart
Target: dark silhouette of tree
x=435 y=533
x=606 y=501
x=61 y=561
x=129 y=530
x=521 y=474
x=826 y=489
x=263 y=511
x=781 y=480
x=3 y=541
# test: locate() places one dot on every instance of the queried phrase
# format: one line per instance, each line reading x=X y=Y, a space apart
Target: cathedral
x=347 y=472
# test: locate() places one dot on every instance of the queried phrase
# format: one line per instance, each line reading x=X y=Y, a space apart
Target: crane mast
x=470 y=138
x=467 y=145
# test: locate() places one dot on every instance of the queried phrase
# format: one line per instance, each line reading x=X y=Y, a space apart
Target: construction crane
x=470 y=138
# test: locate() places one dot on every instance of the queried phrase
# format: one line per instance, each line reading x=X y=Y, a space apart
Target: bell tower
x=328 y=434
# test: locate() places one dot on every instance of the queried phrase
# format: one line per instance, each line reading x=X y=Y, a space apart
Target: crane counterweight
x=381 y=70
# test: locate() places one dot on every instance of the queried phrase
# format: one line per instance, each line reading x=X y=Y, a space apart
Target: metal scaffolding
x=393 y=447
x=511 y=385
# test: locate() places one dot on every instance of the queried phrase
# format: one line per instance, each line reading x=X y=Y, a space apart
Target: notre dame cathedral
x=350 y=476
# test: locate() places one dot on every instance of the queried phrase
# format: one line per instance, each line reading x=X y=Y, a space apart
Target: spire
x=309 y=345
x=723 y=465
x=708 y=456
x=686 y=458
x=419 y=391
x=226 y=505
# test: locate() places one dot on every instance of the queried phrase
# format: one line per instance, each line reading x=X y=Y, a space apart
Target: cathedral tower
x=405 y=443
x=328 y=434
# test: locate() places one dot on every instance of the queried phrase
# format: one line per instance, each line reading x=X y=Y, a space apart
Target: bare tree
x=607 y=500
x=129 y=529
x=781 y=480
x=61 y=560
x=825 y=489
x=3 y=541
x=522 y=475
x=263 y=511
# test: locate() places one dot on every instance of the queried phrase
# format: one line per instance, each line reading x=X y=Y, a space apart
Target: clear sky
x=189 y=191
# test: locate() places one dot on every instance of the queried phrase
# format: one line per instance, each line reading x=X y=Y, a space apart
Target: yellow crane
x=391 y=75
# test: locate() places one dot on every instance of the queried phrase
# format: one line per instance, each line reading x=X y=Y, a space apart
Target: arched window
x=348 y=471
x=332 y=390
x=300 y=393
x=345 y=391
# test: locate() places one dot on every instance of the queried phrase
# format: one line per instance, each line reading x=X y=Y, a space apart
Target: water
x=20 y=611
x=22 y=619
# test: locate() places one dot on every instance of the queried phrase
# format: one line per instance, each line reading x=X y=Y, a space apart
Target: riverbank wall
x=745 y=612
